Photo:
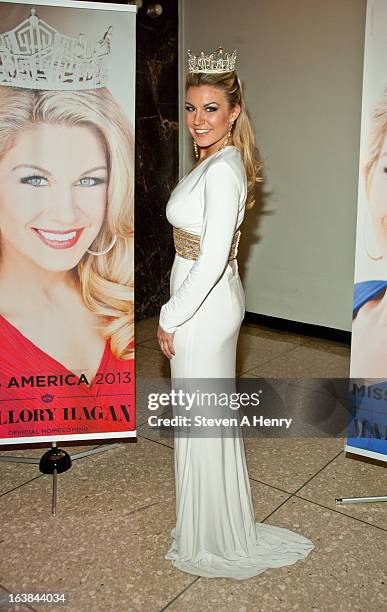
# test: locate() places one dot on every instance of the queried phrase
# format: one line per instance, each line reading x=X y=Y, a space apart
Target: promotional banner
x=368 y=371
x=67 y=93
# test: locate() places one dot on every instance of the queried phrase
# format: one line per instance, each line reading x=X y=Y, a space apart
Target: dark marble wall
x=156 y=153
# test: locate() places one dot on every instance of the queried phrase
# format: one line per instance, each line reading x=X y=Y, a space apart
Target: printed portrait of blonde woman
x=216 y=534
x=369 y=325
x=66 y=215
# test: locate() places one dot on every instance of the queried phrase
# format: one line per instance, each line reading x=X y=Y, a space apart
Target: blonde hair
x=106 y=281
x=377 y=133
x=242 y=135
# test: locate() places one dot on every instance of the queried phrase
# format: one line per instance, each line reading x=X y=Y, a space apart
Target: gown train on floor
x=216 y=534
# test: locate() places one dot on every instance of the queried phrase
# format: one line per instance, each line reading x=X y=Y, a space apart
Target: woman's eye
x=189 y=109
x=90 y=181
x=211 y=108
x=35 y=181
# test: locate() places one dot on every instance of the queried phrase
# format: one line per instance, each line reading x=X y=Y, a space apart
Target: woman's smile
x=201 y=132
x=57 y=239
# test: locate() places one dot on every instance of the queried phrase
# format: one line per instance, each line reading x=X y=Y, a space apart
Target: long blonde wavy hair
x=242 y=135
x=107 y=281
x=377 y=134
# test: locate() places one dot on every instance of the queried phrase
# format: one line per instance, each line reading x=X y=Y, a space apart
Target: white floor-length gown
x=216 y=534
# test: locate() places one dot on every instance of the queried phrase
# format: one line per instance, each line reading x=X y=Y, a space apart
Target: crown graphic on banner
x=216 y=62
x=36 y=56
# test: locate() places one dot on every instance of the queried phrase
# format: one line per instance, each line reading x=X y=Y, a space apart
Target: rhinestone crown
x=36 y=56
x=216 y=62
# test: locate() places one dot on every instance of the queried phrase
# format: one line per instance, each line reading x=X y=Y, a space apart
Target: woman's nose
x=62 y=207
x=198 y=117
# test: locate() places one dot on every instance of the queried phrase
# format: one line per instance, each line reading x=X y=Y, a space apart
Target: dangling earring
x=373 y=257
x=227 y=138
x=109 y=248
x=196 y=149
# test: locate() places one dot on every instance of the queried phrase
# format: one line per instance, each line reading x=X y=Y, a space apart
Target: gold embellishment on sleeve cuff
x=187 y=245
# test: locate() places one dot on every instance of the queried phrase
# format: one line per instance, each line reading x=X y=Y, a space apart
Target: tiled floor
x=106 y=545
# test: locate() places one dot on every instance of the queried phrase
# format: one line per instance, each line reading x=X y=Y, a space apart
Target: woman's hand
x=166 y=342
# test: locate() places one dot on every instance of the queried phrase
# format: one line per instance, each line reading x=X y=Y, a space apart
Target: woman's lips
x=57 y=239
x=201 y=133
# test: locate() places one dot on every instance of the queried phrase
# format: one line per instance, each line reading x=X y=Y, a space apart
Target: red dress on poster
x=41 y=397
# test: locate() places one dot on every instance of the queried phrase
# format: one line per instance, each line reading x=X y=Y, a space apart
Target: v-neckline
x=55 y=361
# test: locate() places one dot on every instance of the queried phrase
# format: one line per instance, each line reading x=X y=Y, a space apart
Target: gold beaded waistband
x=187 y=245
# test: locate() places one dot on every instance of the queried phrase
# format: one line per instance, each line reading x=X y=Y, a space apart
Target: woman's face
x=53 y=192
x=208 y=116
x=378 y=198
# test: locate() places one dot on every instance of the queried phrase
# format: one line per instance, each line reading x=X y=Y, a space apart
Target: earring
x=227 y=138
x=196 y=149
x=373 y=257
x=109 y=248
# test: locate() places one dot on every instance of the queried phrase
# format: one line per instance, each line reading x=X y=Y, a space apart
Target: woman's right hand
x=166 y=342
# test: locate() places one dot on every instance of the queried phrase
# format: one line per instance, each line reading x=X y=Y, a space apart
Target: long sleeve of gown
x=222 y=193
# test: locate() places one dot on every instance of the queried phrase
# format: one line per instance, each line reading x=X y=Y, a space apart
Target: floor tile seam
x=281 y=355
x=164 y=413
x=75 y=507
x=301 y=486
x=313 y=476
x=156 y=441
x=355 y=518
x=319 y=471
x=263 y=482
x=141 y=424
x=24 y=604
x=277 y=508
x=305 y=340
x=180 y=594
x=75 y=450
x=320 y=505
x=142 y=508
x=284 y=352
x=21 y=485
x=267 y=361
x=272 y=334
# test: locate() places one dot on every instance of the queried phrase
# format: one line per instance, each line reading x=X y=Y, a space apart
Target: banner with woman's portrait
x=67 y=92
x=368 y=404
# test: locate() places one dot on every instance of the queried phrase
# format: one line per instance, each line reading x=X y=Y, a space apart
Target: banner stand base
x=360 y=500
x=55 y=461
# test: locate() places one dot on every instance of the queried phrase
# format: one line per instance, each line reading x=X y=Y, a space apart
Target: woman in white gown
x=216 y=534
